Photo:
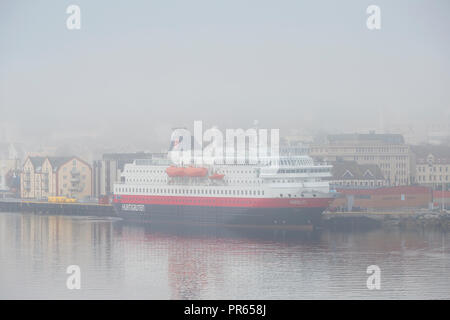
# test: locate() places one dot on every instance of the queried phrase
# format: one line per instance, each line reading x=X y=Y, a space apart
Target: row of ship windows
x=237 y=171
x=212 y=200
x=259 y=181
x=227 y=180
x=163 y=171
x=242 y=171
x=192 y=191
x=255 y=181
x=145 y=180
x=143 y=171
x=295 y=162
x=303 y=170
x=360 y=183
x=432 y=178
x=433 y=169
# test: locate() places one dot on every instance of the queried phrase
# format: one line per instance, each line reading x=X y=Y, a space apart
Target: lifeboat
x=217 y=176
x=196 y=172
x=173 y=171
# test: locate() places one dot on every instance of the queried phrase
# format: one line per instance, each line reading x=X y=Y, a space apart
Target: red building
x=386 y=198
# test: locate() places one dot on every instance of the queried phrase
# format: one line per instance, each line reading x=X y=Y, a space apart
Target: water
x=123 y=261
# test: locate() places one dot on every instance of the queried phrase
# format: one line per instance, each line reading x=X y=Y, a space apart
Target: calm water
x=122 y=261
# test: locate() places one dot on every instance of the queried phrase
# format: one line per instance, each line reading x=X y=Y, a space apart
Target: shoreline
x=345 y=220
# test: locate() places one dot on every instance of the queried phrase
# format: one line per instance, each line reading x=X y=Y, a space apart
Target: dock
x=77 y=208
x=347 y=219
x=407 y=219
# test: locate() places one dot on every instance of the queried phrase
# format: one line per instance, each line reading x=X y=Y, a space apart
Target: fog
x=136 y=69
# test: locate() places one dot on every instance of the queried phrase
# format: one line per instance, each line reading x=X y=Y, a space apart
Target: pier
x=408 y=219
x=79 y=209
x=347 y=219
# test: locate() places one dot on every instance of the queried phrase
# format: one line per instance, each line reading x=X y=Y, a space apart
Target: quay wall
x=81 y=209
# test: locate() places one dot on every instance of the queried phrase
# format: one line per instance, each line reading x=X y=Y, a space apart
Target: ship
x=285 y=192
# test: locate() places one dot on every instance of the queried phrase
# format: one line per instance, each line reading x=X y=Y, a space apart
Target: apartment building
x=387 y=151
x=42 y=177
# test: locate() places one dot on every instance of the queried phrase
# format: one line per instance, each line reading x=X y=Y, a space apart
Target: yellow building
x=44 y=177
x=388 y=151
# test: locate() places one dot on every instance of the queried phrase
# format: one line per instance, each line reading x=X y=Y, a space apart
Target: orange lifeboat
x=173 y=171
x=196 y=172
x=217 y=176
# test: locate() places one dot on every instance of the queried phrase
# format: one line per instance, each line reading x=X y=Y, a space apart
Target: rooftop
x=351 y=170
x=386 y=138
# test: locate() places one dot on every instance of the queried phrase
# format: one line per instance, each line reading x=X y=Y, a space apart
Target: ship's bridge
x=295 y=167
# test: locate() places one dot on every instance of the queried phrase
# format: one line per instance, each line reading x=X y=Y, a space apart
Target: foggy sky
x=138 y=68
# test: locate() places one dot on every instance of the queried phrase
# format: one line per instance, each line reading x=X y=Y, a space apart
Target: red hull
x=226 y=202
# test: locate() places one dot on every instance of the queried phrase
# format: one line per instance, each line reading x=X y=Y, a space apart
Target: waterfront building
x=432 y=167
x=387 y=151
x=350 y=174
x=43 y=177
x=399 y=198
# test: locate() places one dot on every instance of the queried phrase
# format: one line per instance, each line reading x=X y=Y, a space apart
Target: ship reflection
x=217 y=232
x=198 y=255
